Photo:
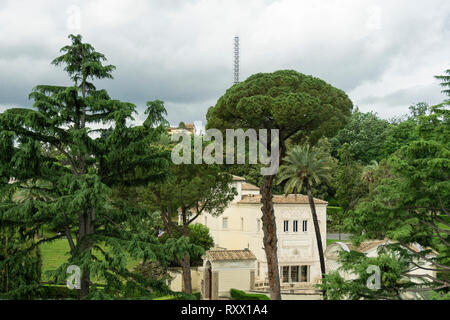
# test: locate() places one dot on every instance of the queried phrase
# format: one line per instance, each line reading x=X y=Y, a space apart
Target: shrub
x=57 y=292
x=181 y=296
x=241 y=295
x=151 y=270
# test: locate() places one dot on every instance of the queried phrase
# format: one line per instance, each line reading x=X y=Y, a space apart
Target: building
x=189 y=128
x=370 y=249
x=240 y=228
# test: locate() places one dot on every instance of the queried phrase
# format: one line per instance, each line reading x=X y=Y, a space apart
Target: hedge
x=241 y=295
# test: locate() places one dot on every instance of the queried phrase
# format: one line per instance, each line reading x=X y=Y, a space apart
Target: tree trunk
x=187 y=279
x=186 y=263
x=317 y=231
x=86 y=228
x=270 y=238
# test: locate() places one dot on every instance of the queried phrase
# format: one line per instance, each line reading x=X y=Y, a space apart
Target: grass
x=56 y=252
x=330 y=241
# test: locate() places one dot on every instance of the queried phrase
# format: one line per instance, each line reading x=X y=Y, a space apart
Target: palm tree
x=302 y=169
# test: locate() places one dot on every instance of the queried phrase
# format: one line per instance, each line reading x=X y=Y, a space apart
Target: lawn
x=330 y=241
x=56 y=252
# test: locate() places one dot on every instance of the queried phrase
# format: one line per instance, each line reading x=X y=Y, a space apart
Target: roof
x=237 y=178
x=249 y=186
x=188 y=127
x=366 y=245
x=370 y=244
x=290 y=198
x=222 y=255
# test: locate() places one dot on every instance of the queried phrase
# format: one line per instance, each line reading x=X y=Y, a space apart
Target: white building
x=240 y=228
x=370 y=249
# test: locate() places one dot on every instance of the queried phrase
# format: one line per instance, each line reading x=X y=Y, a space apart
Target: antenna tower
x=236 y=59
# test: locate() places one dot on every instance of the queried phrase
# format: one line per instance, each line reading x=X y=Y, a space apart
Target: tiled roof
x=221 y=255
x=290 y=198
x=236 y=178
x=249 y=186
x=188 y=127
x=370 y=244
x=366 y=245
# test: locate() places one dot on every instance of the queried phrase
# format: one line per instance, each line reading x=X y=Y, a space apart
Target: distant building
x=188 y=127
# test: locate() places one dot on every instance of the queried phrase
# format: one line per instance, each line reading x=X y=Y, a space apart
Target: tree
x=20 y=259
x=350 y=187
x=395 y=282
x=303 y=109
x=365 y=134
x=302 y=169
x=445 y=82
x=199 y=236
x=369 y=172
x=189 y=190
x=402 y=132
x=79 y=165
x=410 y=204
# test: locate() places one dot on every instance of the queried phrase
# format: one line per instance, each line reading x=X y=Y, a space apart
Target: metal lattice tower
x=236 y=59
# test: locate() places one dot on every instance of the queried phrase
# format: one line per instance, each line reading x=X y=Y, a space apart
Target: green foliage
x=393 y=264
x=152 y=270
x=365 y=134
x=199 y=237
x=302 y=169
x=350 y=187
x=410 y=194
x=445 y=82
x=181 y=296
x=241 y=295
x=335 y=216
x=20 y=264
x=301 y=107
x=440 y=295
x=64 y=173
x=57 y=292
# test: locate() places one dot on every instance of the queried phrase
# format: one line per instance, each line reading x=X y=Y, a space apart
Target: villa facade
x=240 y=228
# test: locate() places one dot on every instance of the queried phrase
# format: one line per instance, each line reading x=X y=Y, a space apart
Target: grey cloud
x=181 y=51
x=397 y=102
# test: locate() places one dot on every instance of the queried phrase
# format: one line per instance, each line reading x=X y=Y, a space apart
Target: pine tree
x=78 y=165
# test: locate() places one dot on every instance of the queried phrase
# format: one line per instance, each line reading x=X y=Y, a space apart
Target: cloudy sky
x=382 y=53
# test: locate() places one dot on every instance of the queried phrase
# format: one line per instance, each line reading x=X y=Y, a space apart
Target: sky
x=383 y=54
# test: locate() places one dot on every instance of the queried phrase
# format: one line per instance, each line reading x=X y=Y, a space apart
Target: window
x=291 y=274
x=286 y=226
x=257 y=270
x=305 y=225
x=304 y=276
x=295 y=226
x=258 y=225
x=206 y=220
x=242 y=223
x=286 y=274
x=224 y=223
x=294 y=273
